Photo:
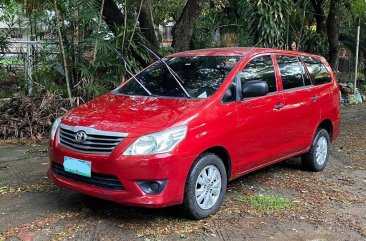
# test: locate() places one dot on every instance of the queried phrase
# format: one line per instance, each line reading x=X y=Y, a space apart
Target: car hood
x=135 y=115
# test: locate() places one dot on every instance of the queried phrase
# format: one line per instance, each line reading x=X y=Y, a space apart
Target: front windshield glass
x=201 y=76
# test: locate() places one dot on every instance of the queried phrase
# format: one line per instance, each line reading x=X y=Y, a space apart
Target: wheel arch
x=328 y=126
x=224 y=156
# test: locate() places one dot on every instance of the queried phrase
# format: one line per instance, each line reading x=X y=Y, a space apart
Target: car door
x=321 y=80
x=301 y=109
x=259 y=118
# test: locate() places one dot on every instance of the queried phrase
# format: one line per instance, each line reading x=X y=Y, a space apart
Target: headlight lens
x=159 y=142
x=54 y=127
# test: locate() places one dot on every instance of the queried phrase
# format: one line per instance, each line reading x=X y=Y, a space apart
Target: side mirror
x=254 y=88
x=230 y=94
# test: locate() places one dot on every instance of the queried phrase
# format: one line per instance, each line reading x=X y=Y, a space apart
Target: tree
x=112 y=14
x=147 y=24
x=333 y=32
x=319 y=15
x=183 y=29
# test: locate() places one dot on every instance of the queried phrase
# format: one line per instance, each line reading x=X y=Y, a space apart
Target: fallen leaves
x=45 y=186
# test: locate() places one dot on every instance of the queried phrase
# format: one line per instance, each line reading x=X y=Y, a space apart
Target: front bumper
x=128 y=169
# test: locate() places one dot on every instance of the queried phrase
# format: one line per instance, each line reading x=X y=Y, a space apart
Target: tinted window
x=291 y=73
x=201 y=76
x=319 y=74
x=260 y=68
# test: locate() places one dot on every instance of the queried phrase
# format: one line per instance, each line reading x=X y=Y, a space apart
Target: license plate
x=76 y=166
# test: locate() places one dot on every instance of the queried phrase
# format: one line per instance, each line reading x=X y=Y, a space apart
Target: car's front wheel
x=317 y=158
x=205 y=187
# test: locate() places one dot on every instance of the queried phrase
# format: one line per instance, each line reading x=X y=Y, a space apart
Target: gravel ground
x=329 y=205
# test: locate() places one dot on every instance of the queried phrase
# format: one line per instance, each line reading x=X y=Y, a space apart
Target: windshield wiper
x=171 y=71
x=129 y=71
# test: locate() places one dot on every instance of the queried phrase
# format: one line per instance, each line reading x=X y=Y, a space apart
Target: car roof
x=236 y=51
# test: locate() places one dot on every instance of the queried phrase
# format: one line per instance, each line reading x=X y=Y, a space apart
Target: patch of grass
x=265 y=203
x=2 y=238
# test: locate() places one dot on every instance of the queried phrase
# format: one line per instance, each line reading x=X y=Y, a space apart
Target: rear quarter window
x=319 y=74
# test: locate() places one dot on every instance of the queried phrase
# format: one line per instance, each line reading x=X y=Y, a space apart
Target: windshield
x=201 y=76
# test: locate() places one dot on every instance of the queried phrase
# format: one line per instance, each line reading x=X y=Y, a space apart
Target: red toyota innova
x=179 y=130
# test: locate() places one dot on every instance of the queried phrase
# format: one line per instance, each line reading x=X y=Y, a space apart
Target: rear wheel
x=317 y=157
x=205 y=187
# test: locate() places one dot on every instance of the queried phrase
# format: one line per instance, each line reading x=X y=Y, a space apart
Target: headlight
x=54 y=127
x=159 y=142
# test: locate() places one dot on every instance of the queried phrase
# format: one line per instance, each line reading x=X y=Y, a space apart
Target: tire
x=317 y=158
x=200 y=201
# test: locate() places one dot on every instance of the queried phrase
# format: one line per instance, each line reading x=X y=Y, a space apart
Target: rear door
x=320 y=78
x=302 y=108
x=326 y=89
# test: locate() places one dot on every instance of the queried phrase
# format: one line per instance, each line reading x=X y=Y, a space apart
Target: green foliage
x=93 y=66
x=313 y=42
x=264 y=203
x=222 y=15
x=11 y=15
x=261 y=23
x=163 y=10
x=3 y=46
x=358 y=8
x=205 y=27
x=266 y=21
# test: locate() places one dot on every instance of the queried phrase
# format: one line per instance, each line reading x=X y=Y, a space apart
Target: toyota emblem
x=80 y=136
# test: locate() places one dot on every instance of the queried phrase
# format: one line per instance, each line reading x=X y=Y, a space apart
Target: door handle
x=279 y=106
x=314 y=98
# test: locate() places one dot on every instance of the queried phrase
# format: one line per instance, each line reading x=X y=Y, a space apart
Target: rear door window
x=260 y=68
x=291 y=72
x=319 y=74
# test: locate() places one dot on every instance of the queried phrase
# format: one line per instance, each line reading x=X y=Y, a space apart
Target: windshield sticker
x=202 y=96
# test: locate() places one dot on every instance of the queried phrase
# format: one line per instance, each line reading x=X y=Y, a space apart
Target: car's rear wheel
x=317 y=157
x=205 y=187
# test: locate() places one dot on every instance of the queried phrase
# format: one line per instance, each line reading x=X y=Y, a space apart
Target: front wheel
x=205 y=187
x=317 y=157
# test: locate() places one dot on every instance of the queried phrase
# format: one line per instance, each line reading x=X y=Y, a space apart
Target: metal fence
x=345 y=70
x=21 y=56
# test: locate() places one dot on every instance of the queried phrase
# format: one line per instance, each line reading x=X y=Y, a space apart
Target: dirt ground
x=330 y=205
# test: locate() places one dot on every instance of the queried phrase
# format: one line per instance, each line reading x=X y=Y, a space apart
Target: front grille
x=98 y=142
x=99 y=180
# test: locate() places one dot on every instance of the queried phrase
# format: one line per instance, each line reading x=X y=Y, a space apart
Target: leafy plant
x=313 y=42
x=87 y=57
x=266 y=21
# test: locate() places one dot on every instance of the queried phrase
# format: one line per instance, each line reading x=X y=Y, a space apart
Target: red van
x=179 y=130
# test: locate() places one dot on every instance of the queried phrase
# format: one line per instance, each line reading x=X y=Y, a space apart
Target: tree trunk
x=115 y=20
x=319 y=15
x=147 y=24
x=63 y=52
x=333 y=33
x=112 y=14
x=183 y=29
